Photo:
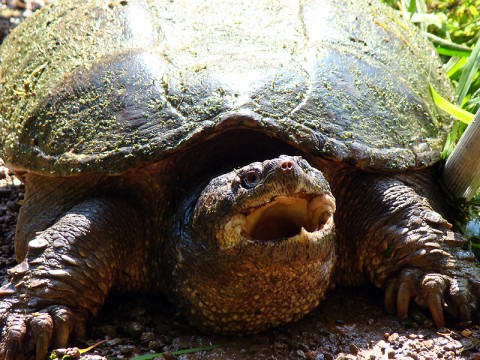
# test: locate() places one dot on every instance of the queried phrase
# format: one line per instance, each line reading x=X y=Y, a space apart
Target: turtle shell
x=103 y=87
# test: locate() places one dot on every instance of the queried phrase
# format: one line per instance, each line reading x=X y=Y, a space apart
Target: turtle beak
x=286 y=216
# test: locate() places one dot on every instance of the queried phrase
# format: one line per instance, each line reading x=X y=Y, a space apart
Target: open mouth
x=285 y=217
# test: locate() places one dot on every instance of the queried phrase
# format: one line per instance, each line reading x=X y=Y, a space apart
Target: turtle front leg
x=66 y=275
x=392 y=234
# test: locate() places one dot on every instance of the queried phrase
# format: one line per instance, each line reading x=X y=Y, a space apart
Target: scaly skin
x=66 y=275
x=392 y=235
x=388 y=231
x=232 y=279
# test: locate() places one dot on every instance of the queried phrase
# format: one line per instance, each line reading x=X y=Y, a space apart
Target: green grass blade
x=412 y=7
x=452 y=52
x=176 y=353
x=468 y=73
x=454 y=110
x=474 y=101
x=444 y=45
x=454 y=65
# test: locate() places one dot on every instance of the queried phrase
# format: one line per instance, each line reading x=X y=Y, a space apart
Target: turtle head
x=259 y=249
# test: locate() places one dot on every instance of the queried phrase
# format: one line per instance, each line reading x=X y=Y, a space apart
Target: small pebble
x=132 y=328
x=413 y=355
x=451 y=347
x=383 y=345
x=12 y=205
x=455 y=336
x=393 y=337
x=353 y=349
x=301 y=354
x=147 y=336
x=126 y=349
x=428 y=344
x=156 y=346
x=314 y=355
x=114 y=342
x=168 y=356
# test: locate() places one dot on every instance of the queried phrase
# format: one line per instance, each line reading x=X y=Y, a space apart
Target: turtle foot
x=28 y=330
x=455 y=291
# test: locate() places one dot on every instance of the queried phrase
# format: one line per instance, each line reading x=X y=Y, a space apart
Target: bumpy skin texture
x=220 y=263
x=146 y=164
x=67 y=272
x=387 y=232
x=405 y=245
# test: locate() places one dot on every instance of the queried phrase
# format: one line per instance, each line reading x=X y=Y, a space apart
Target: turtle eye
x=250 y=179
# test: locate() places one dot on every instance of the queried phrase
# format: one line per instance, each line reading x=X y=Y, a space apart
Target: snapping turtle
x=151 y=136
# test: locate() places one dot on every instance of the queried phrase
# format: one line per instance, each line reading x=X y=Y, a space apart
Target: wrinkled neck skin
x=381 y=227
x=230 y=276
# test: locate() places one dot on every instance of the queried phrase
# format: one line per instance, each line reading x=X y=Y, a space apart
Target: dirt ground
x=349 y=324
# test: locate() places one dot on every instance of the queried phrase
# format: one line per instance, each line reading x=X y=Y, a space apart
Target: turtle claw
x=63 y=320
x=81 y=330
x=13 y=348
x=405 y=293
x=390 y=297
x=434 y=287
x=434 y=302
x=42 y=328
x=25 y=331
x=399 y=291
x=42 y=342
x=14 y=337
x=436 y=292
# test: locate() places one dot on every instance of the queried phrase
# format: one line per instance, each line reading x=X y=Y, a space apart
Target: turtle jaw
x=249 y=285
x=289 y=217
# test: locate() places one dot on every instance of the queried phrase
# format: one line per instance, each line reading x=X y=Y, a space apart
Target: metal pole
x=461 y=174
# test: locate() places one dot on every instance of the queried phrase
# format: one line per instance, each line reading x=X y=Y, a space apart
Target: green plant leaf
x=454 y=66
x=176 y=353
x=82 y=351
x=468 y=73
x=55 y=356
x=412 y=7
x=445 y=46
x=452 y=51
x=452 y=109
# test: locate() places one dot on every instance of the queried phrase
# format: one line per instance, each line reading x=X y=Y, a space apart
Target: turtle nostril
x=286 y=167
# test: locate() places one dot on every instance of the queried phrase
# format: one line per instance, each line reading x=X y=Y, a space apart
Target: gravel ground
x=349 y=324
